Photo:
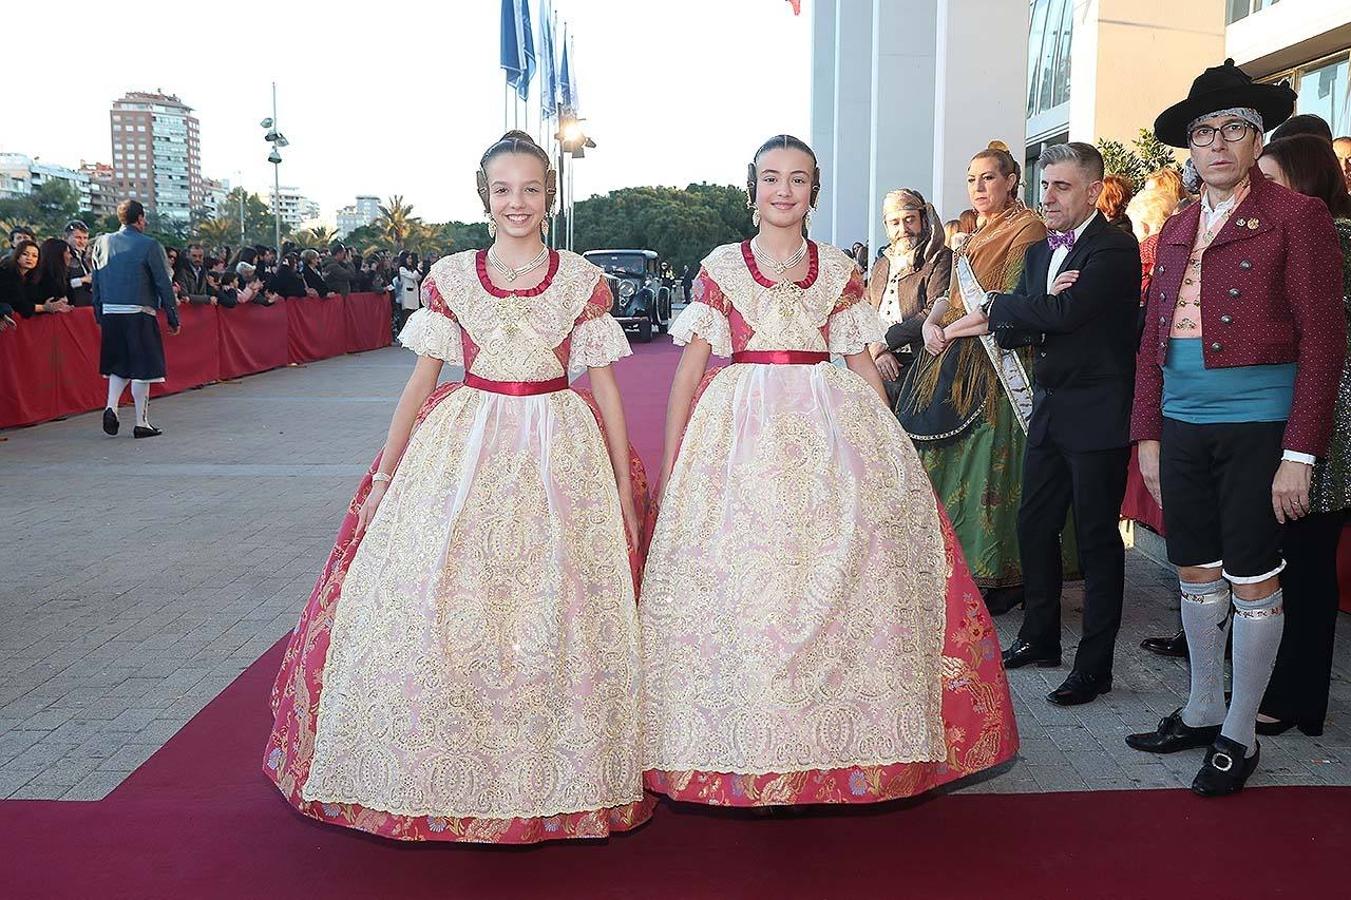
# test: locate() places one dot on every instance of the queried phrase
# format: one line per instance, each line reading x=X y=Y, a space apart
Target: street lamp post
x=277 y=140
x=239 y=186
x=572 y=141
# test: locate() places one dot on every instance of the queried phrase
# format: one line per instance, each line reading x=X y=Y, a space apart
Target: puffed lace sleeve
x=853 y=324
x=432 y=330
x=597 y=339
x=706 y=316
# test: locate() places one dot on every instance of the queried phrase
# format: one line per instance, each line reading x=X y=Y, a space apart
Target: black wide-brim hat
x=1224 y=87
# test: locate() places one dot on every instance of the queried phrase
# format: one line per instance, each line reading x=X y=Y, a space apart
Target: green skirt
x=978 y=475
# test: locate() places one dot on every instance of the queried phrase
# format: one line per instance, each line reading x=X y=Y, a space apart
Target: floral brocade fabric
x=468 y=670
x=810 y=631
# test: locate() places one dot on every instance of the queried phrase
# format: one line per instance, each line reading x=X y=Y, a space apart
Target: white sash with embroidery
x=1007 y=363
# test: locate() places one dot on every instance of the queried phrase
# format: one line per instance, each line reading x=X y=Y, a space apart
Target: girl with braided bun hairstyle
x=467 y=668
x=810 y=632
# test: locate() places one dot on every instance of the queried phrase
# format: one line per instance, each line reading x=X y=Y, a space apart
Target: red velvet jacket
x=1271 y=292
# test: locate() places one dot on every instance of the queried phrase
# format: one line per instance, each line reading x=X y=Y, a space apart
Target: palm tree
x=313 y=237
x=396 y=221
x=218 y=232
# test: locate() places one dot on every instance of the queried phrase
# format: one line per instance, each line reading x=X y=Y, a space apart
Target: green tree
x=259 y=225
x=316 y=237
x=46 y=209
x=396 y=220
x=466 y=236
x=1146 y=154
x=682 y=225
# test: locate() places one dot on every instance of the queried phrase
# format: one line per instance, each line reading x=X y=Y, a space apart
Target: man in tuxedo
x=1076 y=305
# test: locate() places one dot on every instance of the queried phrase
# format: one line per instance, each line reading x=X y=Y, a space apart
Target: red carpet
x=199 y=820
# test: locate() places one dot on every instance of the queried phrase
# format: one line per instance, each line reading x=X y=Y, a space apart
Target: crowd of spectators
x=54 y=276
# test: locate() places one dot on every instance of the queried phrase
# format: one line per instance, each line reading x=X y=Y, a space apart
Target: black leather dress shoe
x=1225 y=770
x=110 y=422
x=1021 y=653
x=143 y=431
x=1173 y=735
x=1175 y=646
x=1080 y=688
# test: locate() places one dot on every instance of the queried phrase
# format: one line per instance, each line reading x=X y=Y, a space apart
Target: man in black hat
x=1235 y=382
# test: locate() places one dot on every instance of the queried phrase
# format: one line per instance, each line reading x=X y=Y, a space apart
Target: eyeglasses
x=1204 y=135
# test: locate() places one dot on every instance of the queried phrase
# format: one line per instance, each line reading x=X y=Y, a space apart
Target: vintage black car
x=642 y=302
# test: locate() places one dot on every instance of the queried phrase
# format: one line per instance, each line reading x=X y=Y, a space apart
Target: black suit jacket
x=1084 y=338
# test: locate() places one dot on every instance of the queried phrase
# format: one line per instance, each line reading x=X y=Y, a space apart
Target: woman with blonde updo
x=953 y=403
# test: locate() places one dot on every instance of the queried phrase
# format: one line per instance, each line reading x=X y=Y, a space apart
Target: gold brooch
x=1252 y=224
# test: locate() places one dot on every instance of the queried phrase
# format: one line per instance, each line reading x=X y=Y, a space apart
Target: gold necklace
x=511 y=274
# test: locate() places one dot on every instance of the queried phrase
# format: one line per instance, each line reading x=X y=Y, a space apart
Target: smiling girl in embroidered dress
x=467 y=668
x=810 y=631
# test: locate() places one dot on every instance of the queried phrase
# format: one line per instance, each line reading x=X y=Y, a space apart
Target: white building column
x=823 y=114
x=850 y=157
x=980 y=90
x=902 y=108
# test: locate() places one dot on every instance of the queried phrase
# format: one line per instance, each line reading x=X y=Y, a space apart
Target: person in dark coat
x=913 y=271
x=131 y=287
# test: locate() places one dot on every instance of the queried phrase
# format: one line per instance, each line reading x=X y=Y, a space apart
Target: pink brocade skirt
x=761 y=607
x=299 y=685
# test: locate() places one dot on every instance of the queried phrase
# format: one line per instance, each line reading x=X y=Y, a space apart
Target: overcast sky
x=402 y=97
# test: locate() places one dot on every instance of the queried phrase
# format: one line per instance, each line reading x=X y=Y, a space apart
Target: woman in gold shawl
x=953 y=403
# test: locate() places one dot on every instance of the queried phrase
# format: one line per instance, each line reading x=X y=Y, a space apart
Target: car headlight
x=626 y=289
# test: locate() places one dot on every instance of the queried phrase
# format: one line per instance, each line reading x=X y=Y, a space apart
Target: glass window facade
x=1241 y=9
x=1323 y=91
x=1048 y=62
x=1323 y=86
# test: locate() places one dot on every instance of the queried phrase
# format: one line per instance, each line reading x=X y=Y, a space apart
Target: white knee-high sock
x=116 y=385
x=1258 y=625
x=1205 y=619
x=140 y=395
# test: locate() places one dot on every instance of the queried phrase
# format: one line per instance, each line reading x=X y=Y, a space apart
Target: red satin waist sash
x=516 y=388
x=781 y=357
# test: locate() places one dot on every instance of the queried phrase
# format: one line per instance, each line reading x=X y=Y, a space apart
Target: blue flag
x=512 y=62
x=567 y=90
x=548 y=70
x=527 y=43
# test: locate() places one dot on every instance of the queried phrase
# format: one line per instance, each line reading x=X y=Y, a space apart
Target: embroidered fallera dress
x=810 y=631
x=469 y=669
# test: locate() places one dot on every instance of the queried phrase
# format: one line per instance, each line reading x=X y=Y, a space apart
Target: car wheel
x=645 y=331
x=663 y=314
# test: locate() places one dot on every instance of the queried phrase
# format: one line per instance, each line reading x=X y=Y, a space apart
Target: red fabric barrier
x=1138 y=504
x=49 y=364
x=75 y=364
x=316 y=328
x=368 y=320
x=252 y=339
x=191 y=357
x=27 y=364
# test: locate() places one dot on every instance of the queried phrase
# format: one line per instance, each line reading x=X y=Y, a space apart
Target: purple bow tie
x=1060 y=239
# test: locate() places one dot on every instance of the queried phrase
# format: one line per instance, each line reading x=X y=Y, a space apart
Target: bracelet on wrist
x=381 y=478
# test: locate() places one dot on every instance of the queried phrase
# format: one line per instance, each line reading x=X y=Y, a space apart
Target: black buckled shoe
x=1226 y=768
x=1174 y=646
x=145 y=431
x=110 y=423
x=1080 y=688
x=1021 y=653
x=1173 y=735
